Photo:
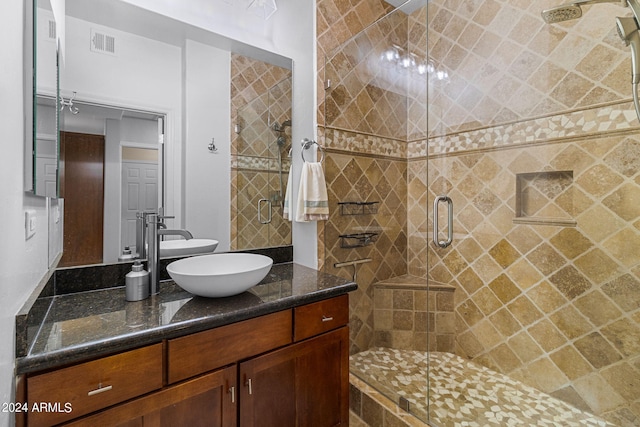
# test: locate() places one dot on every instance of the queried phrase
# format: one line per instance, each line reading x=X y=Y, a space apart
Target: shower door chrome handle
x=260 y=211
x=436 y=239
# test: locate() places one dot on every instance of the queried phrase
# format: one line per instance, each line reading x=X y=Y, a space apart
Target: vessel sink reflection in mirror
x=171 y=248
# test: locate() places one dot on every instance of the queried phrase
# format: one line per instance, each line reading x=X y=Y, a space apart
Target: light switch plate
x=29 y=223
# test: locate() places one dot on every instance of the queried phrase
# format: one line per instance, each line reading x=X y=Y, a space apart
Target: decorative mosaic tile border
x=611 y=118
x=340 y=139
x=259 y=163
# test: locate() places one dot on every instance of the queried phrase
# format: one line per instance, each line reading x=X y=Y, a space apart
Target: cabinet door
x=305 y=384
x=267 y=396
x=322 y=380
x=208 y=400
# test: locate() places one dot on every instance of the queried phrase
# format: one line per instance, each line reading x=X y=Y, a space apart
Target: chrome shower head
x=629 y=33
x=566 y=12
x=561 y=13
x=280 y=127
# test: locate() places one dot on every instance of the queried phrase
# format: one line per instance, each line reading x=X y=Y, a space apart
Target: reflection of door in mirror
x=139 y=190
x=83 y=158
x=261 y=140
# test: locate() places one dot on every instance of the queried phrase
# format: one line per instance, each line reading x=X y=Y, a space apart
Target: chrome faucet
x=153 y=251
x=156 y=228
x=164 y=232
x=141 y=233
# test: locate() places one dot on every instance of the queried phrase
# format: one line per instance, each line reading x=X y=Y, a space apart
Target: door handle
x=260 y=220
x=436 y=238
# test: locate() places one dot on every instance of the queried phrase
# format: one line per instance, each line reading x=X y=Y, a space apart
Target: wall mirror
x=158 y=113
x=41 y=144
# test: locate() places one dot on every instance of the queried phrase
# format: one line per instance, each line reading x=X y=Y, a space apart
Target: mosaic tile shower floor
x=462 y=393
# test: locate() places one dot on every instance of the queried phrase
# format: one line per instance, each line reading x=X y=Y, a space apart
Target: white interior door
x=139 y=193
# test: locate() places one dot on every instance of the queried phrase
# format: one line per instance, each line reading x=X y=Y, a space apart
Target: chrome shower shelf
x=358 y=208
x=357 y=240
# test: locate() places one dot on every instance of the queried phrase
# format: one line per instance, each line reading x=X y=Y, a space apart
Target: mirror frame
x=30 y=108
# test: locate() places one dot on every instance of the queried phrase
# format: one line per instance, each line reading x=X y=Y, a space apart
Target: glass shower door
x=533 y=137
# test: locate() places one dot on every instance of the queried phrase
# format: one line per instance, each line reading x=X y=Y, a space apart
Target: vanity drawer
x=78 y=390
x=208 y=350
x=316 y=318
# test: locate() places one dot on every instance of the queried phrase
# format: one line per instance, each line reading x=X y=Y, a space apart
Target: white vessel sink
x=219 y=275
x=181 y=247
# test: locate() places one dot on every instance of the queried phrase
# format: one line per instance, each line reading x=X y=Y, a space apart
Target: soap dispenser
x=137 y=282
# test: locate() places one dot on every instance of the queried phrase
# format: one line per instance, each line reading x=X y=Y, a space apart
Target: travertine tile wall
x=260 y=95
x=410 y=316
x=505 y=64
x=364 y=96
x=362 y=178
x=337 y=22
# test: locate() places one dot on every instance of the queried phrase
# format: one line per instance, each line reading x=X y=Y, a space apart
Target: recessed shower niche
x=545 y=198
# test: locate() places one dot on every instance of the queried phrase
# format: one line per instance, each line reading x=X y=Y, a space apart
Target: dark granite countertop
x=86 y=325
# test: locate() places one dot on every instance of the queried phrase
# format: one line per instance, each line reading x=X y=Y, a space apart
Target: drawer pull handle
x=326 y=319
x=232 y=390
x=248 y=383
x=99 y=390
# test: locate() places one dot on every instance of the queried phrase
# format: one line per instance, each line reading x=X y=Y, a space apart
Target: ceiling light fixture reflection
x=396 y=57
x=263 y=8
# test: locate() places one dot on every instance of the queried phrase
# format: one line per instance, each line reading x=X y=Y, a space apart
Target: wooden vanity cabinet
x=305 y=384
x=288 y=368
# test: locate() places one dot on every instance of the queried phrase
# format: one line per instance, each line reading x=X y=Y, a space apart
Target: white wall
x=144 y=73
x=206 y=115
x=22 y=263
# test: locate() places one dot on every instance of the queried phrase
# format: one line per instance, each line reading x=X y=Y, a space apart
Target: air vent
x=52 y=29
x=103 y=43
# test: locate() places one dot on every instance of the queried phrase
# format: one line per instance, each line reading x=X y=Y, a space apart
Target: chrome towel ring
x=306 y=144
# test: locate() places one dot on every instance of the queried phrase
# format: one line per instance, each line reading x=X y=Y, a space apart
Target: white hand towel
x=313 y=202
x=287 y=212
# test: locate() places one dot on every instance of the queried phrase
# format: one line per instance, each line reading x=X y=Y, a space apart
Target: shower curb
x=375 y=409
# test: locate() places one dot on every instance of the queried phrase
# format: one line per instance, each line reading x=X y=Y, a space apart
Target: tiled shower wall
x=546 y=271
x=534 y=140
x=363 y=178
